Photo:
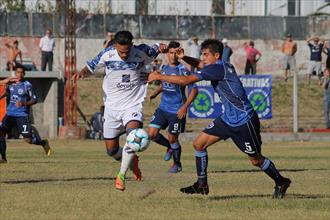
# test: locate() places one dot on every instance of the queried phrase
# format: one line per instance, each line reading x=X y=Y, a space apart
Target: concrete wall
x=270 y=62
x=44 y=114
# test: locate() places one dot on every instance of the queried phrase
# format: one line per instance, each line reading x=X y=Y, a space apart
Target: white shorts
x=314 y=66
x=115 y=121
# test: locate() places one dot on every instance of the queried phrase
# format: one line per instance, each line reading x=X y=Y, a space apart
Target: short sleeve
x=212 y=72
x=98 y=61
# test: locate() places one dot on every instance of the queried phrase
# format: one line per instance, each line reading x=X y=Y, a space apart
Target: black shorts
x=246 y=137
x=21 y=123
x=162 y=119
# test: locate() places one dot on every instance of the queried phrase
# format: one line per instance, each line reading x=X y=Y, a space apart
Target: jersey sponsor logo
x=127 y=86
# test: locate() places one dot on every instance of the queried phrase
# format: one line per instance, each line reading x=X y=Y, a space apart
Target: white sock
x=126 y=159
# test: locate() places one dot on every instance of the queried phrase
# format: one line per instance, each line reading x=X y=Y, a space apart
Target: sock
x=176 y=153
x=201 y=166
x=126 y=159
x=3 y=148
x=115 y=153
x=269 y=168
x=160 y=139
x=37 y=141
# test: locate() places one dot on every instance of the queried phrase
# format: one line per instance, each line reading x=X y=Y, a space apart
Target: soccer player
x=20 y=97
x=237 y=121
x=124 y=88
x=172 y=110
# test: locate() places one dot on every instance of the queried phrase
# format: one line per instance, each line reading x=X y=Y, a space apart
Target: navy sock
x=269 y=168
x=201 y=166
x=160 y=139
x=3 y=148
x=37 y=140
x=176 y=153
x=115 y=153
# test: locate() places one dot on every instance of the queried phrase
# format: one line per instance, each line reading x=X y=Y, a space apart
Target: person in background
x=46 y=45
x=109 y=41
x=96 y=122
x=194 y=48
x=315 y=45
x=325 y=84
x=13 y=53
x=227 y=51
x=289 y=49
x=252 y=57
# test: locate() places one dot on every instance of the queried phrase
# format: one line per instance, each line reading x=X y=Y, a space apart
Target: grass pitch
x=77 y=182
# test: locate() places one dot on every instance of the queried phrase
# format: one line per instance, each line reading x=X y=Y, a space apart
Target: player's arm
x=8 y=80
x=183 y=110
x=158 y=90
x=179 y=80
x=32 y=98
x=92 y=65
x=189 y=60
x=152 y=51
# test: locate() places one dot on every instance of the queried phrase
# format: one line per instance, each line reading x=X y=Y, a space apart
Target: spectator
x=227 y=51
x=109 y=41
x=252 y=57
x=47 y=44
x=289 y=48
x=325 y=83
x=194 y=48
x=315 y=63
x=13 y=53
x=326 y=50
x=96 y=122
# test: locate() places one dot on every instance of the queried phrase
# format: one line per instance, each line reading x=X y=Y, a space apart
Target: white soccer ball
x=138 y=140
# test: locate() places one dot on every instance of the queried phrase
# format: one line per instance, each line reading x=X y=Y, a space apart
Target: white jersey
x=124 y=84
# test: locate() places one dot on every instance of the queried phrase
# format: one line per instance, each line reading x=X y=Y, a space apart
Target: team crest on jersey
x=126 y=78
x=20 y=91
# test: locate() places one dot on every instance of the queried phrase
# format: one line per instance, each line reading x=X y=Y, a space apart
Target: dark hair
x=123 y=38
x=18 y=65
x=173 y=44
x=214 y=45
x=16 y=42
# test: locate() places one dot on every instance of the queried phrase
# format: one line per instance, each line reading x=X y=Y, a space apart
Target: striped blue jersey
x=236 y=108
x=22 y=91
x=173 y=96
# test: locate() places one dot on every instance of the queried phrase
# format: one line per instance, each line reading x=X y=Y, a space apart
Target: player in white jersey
x=124 y=90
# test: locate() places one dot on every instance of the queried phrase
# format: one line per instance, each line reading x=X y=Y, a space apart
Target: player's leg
x=247 y=138
x=24 y=128
x=215 y=132
x=132 y=119
x=157 y=122
x=176 y=126
x=4 y=127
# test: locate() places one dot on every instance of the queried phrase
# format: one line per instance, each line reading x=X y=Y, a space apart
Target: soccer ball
x=138 y=140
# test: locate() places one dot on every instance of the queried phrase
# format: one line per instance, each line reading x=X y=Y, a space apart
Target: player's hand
x=180 y=52
x=153 y=76
x=82 y=74
x=162 y=48
x=19 y=104
x=182 y=112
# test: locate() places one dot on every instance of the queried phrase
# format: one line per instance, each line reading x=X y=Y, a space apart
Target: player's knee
x=198 y=146
x=28 y=140
x=257 y=161
x=152 y=134
x=112 y=151
x=172 y=139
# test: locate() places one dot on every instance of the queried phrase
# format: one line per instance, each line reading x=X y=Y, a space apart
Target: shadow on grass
x=255 y=171
x=58 y=180
x=287 y=196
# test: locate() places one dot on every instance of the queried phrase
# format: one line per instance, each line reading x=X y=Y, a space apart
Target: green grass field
x=77 y=182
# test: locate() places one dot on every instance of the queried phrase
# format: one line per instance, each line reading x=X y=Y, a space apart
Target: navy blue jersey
x=173 y=96
x=23 y=91
x=316 y=51
x=236 y=108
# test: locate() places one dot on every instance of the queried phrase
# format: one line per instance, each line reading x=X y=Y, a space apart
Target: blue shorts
x=162 y=119
x=246 y=137
x=21 y=123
